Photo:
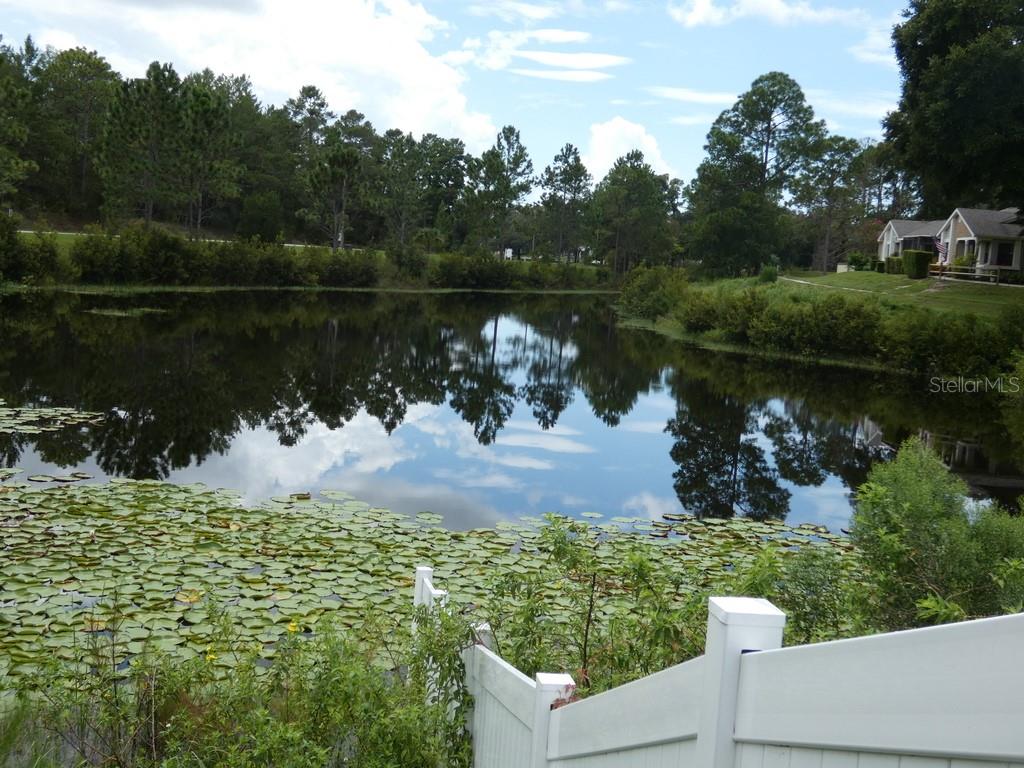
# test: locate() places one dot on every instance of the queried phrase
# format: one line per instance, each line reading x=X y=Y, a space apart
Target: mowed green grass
x=984 y=299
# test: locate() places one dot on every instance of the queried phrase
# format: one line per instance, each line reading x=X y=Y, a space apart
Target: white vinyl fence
x=942 y=697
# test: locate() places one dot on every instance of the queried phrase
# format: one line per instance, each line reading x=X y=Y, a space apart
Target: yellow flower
x=292 y=626
x=210 y=655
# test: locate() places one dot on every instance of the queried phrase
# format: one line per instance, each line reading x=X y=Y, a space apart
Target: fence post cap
x=746 y=611
x=554 y=681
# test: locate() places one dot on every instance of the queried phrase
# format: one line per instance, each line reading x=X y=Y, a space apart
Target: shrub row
x=141 y=255
x=482 y=271
x=150 y=255
x=833 y=323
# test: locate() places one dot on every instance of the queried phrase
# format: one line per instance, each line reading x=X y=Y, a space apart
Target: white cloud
x=562 y=60
x=613 y=138
x=502 y=47
x=650 y=506
x=692 y=96
x=511 y=11
x=696 y=13
x=568 y=75
x=872 y=105
x=876 y=47
x=363 y=54
x=690 y=120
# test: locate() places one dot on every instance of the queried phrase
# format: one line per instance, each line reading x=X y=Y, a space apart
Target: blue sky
x=606 y=75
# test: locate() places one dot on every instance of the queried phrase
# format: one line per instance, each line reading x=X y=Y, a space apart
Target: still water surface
x=480 y=407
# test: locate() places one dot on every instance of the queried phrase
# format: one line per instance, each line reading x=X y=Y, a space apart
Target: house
x=902 y=235
x=992 y=239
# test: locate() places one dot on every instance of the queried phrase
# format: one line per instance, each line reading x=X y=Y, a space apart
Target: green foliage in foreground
x=373 y=698
x=930 y=554
x=218 y=645
x=781 y=319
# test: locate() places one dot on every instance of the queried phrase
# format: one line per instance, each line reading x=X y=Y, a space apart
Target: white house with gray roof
x=990 y=239
x=907 y=234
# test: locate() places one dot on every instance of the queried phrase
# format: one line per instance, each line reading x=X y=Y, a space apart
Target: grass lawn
x=941 y=295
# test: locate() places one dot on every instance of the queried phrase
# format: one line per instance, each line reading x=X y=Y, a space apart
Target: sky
x=606 y=75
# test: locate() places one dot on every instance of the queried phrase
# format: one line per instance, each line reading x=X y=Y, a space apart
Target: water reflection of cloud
x=544 y=442
x=827 y=504
x=531 y=426
x=460 y=510
x=651 y=506
x=476 y=479
x=459 y=434
x=260 y=466
x=645 y=427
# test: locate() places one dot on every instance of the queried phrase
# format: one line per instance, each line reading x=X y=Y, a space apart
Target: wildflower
x=210 y=655
x=293 y=627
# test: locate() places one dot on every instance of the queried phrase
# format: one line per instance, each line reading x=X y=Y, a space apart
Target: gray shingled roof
x=924 y=229
x=992 y=223
x=905 y=226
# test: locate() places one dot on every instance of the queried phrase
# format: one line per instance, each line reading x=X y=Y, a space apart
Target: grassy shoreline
x=674 y=330
x=131 y=290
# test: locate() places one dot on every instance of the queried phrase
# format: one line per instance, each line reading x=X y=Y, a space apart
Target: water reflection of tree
x=178 y=387
x=722 y=470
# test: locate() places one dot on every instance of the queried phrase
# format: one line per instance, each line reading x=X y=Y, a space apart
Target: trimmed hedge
x=894 y=265
x=915 y=264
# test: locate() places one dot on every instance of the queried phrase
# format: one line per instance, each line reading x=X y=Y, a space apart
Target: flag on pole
x=941 y=247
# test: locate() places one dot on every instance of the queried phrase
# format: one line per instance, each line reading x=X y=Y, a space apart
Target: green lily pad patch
x=175 y=560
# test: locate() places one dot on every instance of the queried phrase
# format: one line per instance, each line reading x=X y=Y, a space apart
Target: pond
x=480 y=407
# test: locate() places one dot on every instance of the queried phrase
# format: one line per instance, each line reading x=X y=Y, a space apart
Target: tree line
x=79 y=142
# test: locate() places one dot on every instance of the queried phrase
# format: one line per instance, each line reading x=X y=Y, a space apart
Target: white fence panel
x=955 y=691
x=649 y=722
x=503 y=699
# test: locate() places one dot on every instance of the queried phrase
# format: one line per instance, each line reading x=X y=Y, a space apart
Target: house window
x=1004 y=255
x=961 y=245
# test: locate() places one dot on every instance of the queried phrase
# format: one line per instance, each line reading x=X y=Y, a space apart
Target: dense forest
x=200 y=153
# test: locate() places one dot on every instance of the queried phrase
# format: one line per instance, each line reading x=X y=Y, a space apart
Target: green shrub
x=878 y=266
x=830 y=323
x=768 y=274
x=858 y=261
x=928 y=558
x=651 y=292
x=368 y=698
x=10 y=247
x=894 y=265
x=698 y=310
x=737 y=311
x=409 y=260
x=916 y=263
x=96 y=255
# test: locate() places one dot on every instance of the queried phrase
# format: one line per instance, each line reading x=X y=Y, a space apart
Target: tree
x=768 y=134
x=960 y=122
x=401 y=190
x=828 y=195
x=503 y=176
x=332 y=181
x=756 y=152
x=210 y=173
x=141 y=157
x=13 y=131
x=632 y=213
x=444 y=180
x=74 y=91
x=566 y=185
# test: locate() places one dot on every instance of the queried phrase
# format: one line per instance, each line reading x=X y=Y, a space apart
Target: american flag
x=940 y=246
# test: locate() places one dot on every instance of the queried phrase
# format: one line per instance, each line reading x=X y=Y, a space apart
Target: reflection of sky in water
x=433 y=460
